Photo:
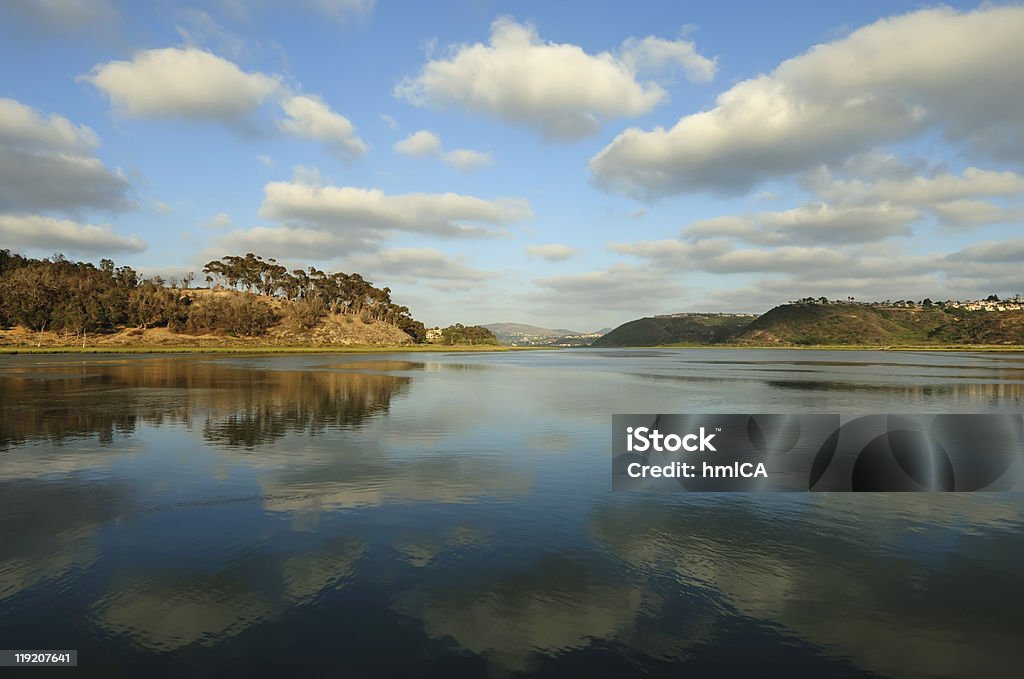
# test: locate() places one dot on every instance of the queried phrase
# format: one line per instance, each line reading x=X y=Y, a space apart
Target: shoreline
x=949 y=348
x=352 y=349
x=435 y=348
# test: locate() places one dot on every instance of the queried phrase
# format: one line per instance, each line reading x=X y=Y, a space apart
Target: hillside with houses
x=824 y=322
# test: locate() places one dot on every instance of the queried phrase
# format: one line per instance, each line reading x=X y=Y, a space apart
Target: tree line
x=61 y=295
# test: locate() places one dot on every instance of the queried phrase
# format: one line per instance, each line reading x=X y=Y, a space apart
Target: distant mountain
x=602 y=331
x=519 y=329
x=676 y=329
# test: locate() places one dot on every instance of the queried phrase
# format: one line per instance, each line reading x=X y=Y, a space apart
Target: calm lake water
x=452 y=515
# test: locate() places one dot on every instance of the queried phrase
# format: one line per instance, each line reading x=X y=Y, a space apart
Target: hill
x=250 y=302
x=862 y=324
x=831 y=324
x=675 y=329
x=520 y=329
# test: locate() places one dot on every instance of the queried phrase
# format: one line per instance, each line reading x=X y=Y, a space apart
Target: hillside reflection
x=240 y=407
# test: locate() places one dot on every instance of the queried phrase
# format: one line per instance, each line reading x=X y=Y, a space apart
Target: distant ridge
x=500 y=329
x=829 y=324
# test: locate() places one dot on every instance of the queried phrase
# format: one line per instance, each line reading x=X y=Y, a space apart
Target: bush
x=308 y=312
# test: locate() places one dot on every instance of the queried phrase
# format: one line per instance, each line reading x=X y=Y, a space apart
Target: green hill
x=858 y=324
x=677 y=329
x=833 y=324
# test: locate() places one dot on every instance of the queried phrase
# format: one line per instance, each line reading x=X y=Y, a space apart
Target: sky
x=570 y=164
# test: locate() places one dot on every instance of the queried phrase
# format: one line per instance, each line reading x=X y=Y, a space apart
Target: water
x=451 y=515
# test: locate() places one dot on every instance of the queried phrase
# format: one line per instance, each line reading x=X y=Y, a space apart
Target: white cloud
x=908 y=189
x=310 y=118
x=56 y=181
x=782 y=259
x=727 y=226
x=552 y=252
x=988 y=252
x=557 y=88
x=294 y=242
x=44 y=164
x=344 y=208
x=467 y=160
x=974 y=213
x=653 y=54
x=413 y=264
x=23 y=126
x=182 y=83
x=674 y=254
x=194 y=84
x=389 y=121
x=426 y=144
x=265 y=159
x=885 y=82
x=47 y=233
x=163 y=208
x=419 y=144
x=811 y=223
x=822 y=223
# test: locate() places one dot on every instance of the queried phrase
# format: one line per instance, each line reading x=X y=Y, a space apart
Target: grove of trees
x=462 y=334
x=60 y=295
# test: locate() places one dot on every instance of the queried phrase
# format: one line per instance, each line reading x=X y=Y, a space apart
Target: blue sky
x=565 y=164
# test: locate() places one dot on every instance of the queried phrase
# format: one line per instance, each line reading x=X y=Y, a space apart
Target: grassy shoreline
x=964 y=348
x=436 y=348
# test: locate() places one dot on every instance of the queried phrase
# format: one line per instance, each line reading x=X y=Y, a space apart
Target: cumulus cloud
x=557 y=88
x=889 y=81
x=965 y=212
x=303 y=243
x=426 y=144
x=911 y=189
x=991 y=251
x=182 y=83
x=57 y=181
x=22 y=126
x=415 y=264
x=46 y=164
x=653 y=55
x=194 y=84
x=47 y=233
x=552 y=252
x=346 y=208
x=811 y=223
x=310 y=118
x=423 y=143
